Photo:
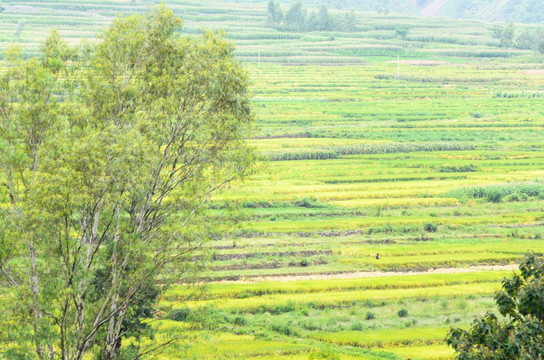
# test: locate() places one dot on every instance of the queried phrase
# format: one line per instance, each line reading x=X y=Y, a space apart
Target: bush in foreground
x=520 y=334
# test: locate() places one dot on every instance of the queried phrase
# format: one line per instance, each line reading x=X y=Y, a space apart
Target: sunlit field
x=428 y=151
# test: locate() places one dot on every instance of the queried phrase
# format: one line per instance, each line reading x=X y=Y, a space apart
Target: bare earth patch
x=372 y=274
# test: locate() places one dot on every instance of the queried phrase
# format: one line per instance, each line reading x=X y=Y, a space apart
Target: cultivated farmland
x=428 y=151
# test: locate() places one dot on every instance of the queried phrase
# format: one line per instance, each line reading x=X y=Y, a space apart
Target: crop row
x=334 y=152
x=340 y=298
x=246 y=290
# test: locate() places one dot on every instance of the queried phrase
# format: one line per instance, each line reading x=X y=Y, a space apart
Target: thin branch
x=9 y=277
x=156 y=348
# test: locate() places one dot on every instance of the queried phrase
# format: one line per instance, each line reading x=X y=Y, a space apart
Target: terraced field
x=438 y=168
x=245 y=22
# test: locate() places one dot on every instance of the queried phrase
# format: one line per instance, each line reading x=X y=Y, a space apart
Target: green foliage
x=334 y=152
x=324 y=355
x=108 y=154
x=275 y=14
x=180 y=314
x=309 y=203
x=282 y=329
x=19 y=28
x=505 y=34
x=430 y=227
x=456 y=168
x=525 y=40
x=323 y=21
x=539 y=41
x=402 y=31
x=519 y=335
x=531 y=40
x=280 y=309
x=207 y=318
x=240 y=321
x=402 y=313
x=356 y=327
x=297 y=18
x=140 y=309
x=515 y=197
x=383 y=10
x=498 y=193
x=375 y=193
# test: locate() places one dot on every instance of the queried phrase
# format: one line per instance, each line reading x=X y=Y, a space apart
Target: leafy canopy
x=108 y=154
x=520 y=335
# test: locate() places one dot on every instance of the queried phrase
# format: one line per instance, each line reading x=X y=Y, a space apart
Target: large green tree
x=520 y=334
x=295 y=17
x=323 y=19
x=275 y=14
x=108 y=154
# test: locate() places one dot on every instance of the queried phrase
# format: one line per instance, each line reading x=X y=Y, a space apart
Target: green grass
x=442 y=167
x=242 y=291
x=344 y=297
x=386 y=338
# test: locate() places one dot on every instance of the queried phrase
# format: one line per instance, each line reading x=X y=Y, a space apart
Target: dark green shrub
x=257 y=204
x=308 y=203
x=179 y=314
x=313 y=305
x=324 y=355
x=281 y=309
x=456 y=168
x=477 y=115
x=282 y=329
x=517 y=334
x=309 y=325
x=334 y=152
x=370 y=316
x=495 y=195
x=430 y=227
x=402 y=313
x=207 y=317
x=356 y=327
x=240 y=321
x=512 y=198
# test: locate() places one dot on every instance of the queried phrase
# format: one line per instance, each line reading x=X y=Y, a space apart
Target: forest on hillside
x=523 y=11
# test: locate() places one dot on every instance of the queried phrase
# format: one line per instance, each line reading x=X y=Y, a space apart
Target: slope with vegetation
x=524 y=11
x=434 y=162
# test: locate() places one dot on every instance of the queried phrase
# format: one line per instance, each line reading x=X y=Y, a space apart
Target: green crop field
x=428 y=151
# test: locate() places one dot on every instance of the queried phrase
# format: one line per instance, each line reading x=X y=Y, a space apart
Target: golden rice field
x=439 y=171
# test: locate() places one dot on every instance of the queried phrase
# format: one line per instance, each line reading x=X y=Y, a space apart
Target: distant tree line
x=528 y=39
x=297 y=18
x=383 y=10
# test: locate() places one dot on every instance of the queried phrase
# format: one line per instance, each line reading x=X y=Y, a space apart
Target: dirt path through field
x=371 y=274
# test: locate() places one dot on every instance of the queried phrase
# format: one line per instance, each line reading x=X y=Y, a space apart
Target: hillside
x=400 y=178
x=526 y=11
x=27 y=23
x=523 y=11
